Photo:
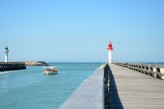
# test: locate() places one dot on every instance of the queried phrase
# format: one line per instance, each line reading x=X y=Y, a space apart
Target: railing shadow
x=111 y=97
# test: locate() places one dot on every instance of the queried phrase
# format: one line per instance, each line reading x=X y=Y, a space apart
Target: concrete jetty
x=6 y=66
x=137 y=90
x=119 y=87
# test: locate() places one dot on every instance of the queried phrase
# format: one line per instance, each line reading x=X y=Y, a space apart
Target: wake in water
x=3 y=73
x=6 y=72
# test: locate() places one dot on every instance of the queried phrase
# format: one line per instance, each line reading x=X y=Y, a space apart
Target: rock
x=36 y=63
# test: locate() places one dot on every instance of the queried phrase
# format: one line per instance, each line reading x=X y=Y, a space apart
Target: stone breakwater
x=7 y=66
x=36 y=63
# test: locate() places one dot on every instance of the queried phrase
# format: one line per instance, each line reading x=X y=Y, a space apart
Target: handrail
x=149 y=69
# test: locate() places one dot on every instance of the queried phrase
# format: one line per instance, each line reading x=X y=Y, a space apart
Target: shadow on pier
x=111 y=97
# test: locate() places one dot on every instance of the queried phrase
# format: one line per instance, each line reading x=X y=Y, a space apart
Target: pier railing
x=149 y=69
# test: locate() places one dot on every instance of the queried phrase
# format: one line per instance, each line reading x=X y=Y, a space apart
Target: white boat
x=50 y=70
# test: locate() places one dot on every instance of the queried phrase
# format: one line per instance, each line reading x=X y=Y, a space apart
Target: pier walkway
x=135 y=90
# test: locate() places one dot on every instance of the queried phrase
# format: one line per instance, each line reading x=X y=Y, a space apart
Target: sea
x=31 y=89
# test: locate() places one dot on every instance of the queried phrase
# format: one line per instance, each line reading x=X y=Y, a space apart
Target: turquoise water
x=30 y=89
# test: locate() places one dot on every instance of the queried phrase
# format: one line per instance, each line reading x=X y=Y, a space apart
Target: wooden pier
x=7 y=66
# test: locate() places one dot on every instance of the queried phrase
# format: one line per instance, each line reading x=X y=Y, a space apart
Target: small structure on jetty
x=6 y=54
x=110 y=49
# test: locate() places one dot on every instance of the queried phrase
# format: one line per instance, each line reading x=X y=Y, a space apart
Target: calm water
x=30 y=89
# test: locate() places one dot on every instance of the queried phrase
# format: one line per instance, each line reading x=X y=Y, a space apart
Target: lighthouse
x=6 y=54
x=110 y=49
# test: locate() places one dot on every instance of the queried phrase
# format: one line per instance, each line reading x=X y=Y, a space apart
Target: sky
x=80 y=30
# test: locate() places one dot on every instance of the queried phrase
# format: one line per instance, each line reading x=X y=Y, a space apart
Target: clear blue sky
x=80 y=30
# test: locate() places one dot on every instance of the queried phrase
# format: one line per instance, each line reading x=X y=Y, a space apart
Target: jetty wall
x=7 y=66
x=90 y=94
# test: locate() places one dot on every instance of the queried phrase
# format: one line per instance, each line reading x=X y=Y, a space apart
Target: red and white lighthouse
x=110 y=49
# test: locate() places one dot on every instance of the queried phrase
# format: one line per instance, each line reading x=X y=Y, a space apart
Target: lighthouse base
x=109 y=56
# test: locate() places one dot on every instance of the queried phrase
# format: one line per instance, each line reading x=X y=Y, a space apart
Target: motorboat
x=50 y=70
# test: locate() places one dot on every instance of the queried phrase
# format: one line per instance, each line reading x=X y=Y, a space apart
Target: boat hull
x=50 y=72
